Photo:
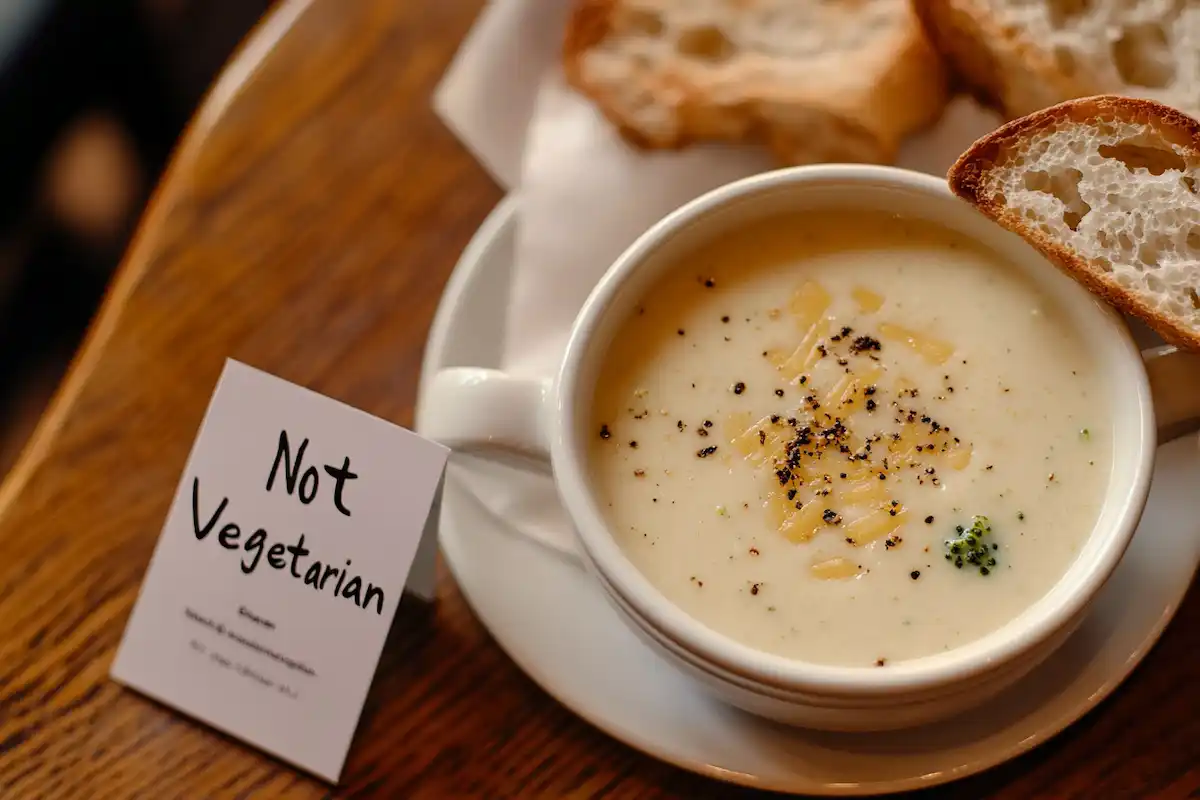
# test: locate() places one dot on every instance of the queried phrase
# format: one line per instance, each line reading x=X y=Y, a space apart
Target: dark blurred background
x=93 y=96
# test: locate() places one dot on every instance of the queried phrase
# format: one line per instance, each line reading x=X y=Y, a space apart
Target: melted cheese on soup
x=849 y=439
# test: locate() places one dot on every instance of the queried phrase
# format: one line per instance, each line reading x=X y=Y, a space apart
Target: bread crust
x=590 y=24
x=995 y=64
x=967 y=179
x=907 y=97
x=959 y=36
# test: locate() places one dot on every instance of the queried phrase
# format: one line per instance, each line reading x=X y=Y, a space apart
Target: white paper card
x=280 y=566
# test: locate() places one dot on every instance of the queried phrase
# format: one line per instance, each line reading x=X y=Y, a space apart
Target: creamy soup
x=850 y=439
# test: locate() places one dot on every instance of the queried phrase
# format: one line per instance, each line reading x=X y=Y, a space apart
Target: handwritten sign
x=298 y=524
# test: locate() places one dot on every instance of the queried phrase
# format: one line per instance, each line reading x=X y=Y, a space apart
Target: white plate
x=559 y=628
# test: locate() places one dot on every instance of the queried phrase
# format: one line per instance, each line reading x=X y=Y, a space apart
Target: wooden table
x=306 y=226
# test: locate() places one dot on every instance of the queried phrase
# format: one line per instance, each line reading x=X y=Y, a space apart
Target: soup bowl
x=1151 y=395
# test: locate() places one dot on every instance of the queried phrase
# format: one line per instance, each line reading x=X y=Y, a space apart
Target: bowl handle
x=501 y=417
x=471 y=409
x=1175 y=385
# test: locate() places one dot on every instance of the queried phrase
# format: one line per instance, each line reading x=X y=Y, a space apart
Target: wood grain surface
x=307 y=225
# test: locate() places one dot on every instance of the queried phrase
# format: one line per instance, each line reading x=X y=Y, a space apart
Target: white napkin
x=584 y=194
x=486 y=96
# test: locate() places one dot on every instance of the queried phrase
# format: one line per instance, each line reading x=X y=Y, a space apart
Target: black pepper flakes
x=639 y=473
x=709 y=283
x=680 y=331
x=831 y=517
x=754 y=588
x=708 y=423
x=864 y=344
x=881 y=662
x=633 y=443
x=706 y=452
x=605 y=433
x=871 y=405
x=916 y=573
x=739 y=387
x=779 y=392
x=929 y=520
x=725 y=318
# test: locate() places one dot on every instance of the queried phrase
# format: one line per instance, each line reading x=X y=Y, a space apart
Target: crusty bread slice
x=817 y=80
x=1107 y=188
x=1023 y=55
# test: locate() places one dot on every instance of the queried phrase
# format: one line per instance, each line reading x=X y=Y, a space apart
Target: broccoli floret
x=973 y=547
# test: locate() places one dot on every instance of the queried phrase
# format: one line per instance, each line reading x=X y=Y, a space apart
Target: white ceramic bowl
x=474 y=408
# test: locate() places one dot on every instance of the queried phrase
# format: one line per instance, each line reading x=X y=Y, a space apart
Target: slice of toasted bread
x=1107 y=188
x=1023 y=55
x=817 y=80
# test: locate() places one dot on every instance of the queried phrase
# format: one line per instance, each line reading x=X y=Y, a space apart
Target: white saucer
x=559 y=628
